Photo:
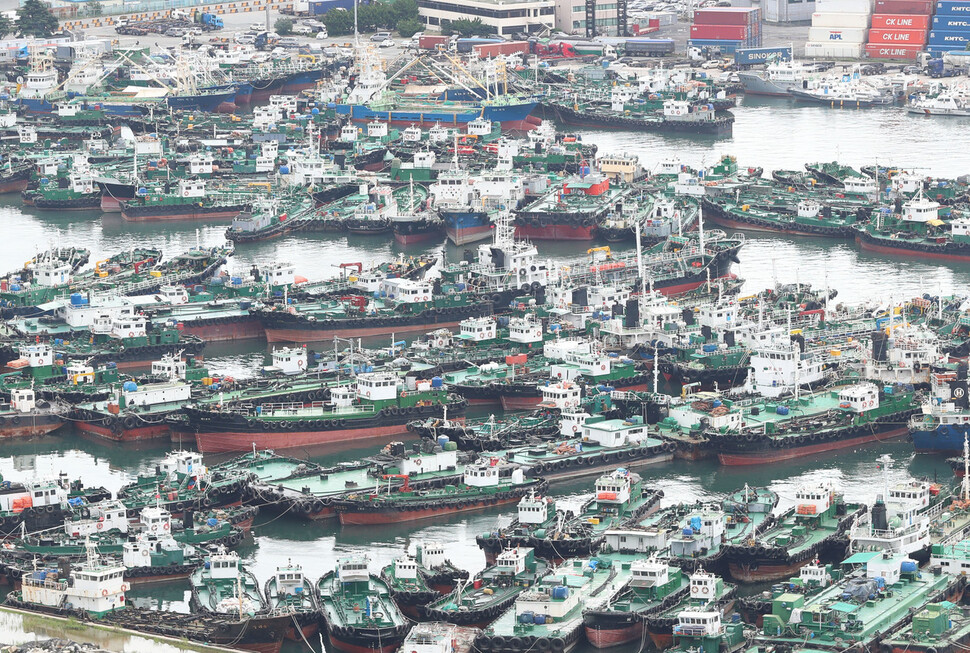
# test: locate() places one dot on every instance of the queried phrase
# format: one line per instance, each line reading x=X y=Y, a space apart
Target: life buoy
x=163 y=163
x=104 y=592
x=705 y=589
x=144 y=553
x=425 y=298
x=300 y=363
x=100 y=525
x=602 y=367
x=417 y=461
x=367 y=394
x=165 y=526
x=124 y=587
x=575 y=428
x=154 y=528
x=131 y=334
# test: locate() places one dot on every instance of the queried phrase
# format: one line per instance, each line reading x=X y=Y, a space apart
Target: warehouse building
x=506 y=17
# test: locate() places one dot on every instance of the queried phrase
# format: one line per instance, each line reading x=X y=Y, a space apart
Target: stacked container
x=839 y=29
x=899 y=29
x=727 y=28
x=950 y=28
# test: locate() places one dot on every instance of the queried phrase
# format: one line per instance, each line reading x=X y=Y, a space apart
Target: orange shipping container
x=900 y=21
x=902 y=36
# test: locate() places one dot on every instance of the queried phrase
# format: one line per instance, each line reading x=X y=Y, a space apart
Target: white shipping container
x=666 y=18
x=836 y=35
x=833 y=51
x=843 y=6
x=840 y=20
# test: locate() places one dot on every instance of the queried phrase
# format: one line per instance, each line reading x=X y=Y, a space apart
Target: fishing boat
x=223 y=587
x=94 y=588
x=654 y=585
x=915 y=228
x=188 y=200
x=707 y=593
x=940 y=425
x=812 y=529
x=289 y=591
x=401 y=306
x=881 y=596
x=440 y=637
x=408 y=587
x=676 y=116
x=619 y=499
x=840 y=418
x=358 y=611
x=267 y=218
x=374 y=405
x=549 y=615
x=481 y=488
x=481 y=600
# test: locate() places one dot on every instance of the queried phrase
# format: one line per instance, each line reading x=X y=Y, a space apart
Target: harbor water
x=768 y=133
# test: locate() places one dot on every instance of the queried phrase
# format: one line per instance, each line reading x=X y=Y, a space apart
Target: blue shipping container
x=952 y=39
x=953 y=8
x=749 y=56
x=951 y=22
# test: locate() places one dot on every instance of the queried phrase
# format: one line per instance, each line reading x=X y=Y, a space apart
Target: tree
x=405 y=9
x=466 y=28
x=6 y=26
x=35 y=19
x=339 y=22
x=95 y=8
x=283 y=26
x=408 y=27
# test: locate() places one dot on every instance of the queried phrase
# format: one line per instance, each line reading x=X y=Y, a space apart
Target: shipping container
x=726 y=46
x=319 y=7
x=906 y=36
x=833 y=50
x=905 y=52
x=949 y=38
x=951 y=23
x=488 y=50
x=953 y=8
x=843 y=6
x=751 y=56
x=431 y=42
x=840 y=20
x=729 y=32
x=900 y=21
x=919 y=7
x=663 y=18
x=837 y=35
x=727 y=16
x=648 y=47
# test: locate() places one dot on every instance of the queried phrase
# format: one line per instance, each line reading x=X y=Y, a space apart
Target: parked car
x=322 y=34
x=386 y=43
x=257 y=27
x=289 y=42
x=305 y=30
x=380 y=36
x=245 y=39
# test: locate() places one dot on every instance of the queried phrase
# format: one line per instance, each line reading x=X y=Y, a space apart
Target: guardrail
x=161 y=9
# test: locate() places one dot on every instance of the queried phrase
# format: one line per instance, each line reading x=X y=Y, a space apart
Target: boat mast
x=965 y=485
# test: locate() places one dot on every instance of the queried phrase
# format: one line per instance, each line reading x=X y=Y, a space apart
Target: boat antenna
x=656 y=369
x=700 y=229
